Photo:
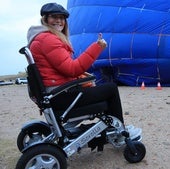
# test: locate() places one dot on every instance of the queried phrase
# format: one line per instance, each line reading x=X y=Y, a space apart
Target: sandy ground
x=148 y=109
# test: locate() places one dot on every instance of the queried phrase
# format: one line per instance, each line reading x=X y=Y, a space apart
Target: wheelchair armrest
x=71 y=84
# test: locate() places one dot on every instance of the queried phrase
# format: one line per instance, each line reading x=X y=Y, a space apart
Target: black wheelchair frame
x=61 y=136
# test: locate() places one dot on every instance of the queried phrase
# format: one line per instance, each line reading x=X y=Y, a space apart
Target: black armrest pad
x=71 y=84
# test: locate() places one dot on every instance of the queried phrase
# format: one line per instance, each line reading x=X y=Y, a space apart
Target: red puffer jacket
x=54 y=59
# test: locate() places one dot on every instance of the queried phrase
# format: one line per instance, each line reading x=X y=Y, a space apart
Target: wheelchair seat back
x=36 y=89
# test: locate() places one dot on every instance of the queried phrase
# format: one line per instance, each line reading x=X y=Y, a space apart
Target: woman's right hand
x=101 y=41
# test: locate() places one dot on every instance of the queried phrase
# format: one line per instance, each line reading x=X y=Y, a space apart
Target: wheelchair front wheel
x=42 y=156
x=140 y=152
x=31 y=135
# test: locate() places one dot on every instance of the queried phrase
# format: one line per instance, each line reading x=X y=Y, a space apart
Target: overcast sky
x=16 y=17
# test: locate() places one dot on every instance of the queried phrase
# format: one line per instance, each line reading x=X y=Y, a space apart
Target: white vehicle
x=22 y=80
x=2 y=82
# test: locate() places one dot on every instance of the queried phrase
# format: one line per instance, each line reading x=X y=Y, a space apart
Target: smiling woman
x=52 y=52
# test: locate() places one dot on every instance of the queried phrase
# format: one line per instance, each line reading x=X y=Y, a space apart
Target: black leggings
x=104 y=92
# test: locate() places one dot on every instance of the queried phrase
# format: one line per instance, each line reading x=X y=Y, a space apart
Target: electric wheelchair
x=49 y=144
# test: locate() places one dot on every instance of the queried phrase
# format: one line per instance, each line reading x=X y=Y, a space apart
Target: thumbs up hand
x=101 y=41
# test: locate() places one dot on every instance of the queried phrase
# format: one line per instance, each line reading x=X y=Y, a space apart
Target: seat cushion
x=85 y=110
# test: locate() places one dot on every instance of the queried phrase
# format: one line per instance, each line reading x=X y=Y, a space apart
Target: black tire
x=135 y=158
x=31 y=135
x=42 y=156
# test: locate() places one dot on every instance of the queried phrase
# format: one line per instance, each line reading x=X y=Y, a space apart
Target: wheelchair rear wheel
x=42 y=156
x=140 y=152
x=31 y=135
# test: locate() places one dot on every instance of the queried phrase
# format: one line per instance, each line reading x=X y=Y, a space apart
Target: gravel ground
x=148 y=109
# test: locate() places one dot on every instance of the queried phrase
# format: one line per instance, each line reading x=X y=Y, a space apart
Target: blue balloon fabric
x=138 y=37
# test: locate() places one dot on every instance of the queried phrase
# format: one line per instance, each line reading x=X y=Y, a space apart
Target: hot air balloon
x=138 y=37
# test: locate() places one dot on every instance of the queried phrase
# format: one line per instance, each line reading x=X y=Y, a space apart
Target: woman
x=52 y=52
